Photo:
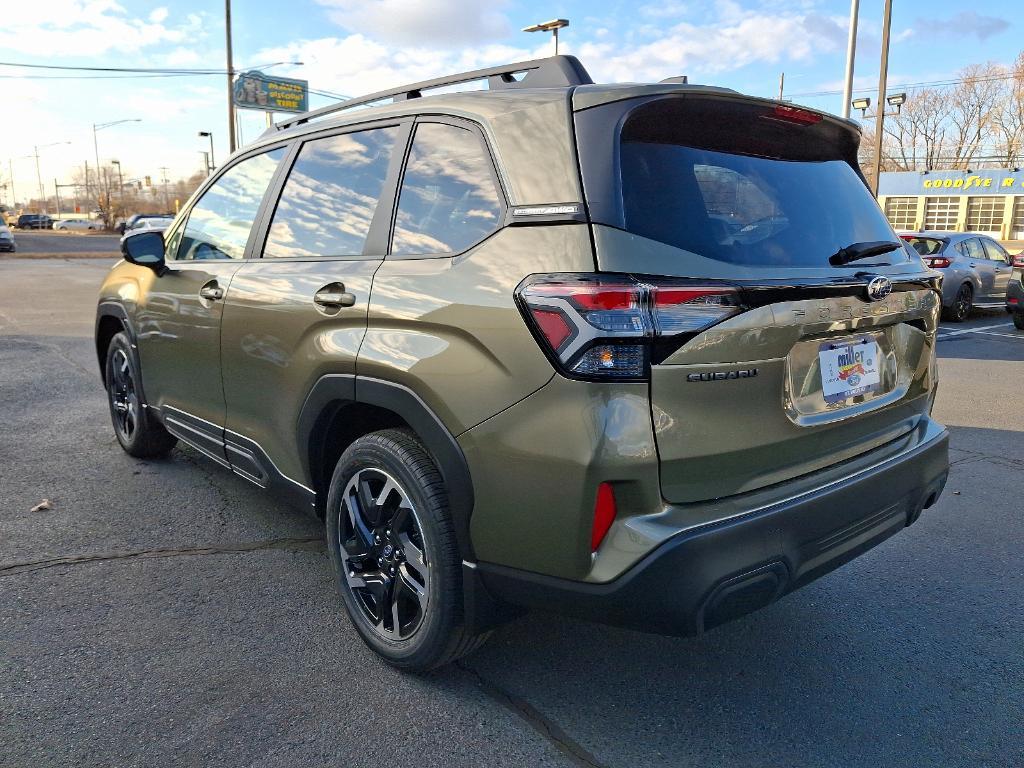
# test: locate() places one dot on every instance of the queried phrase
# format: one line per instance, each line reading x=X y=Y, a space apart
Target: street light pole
x=120 y=182
x=549 y=26
x=212 y=165
x=231 y=77
x=883 y=77
x=851 y=55
x=96 y=148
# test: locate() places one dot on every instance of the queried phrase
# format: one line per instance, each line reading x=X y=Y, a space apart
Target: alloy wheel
x=382 y=554
x=124 y=402
x=962 y=304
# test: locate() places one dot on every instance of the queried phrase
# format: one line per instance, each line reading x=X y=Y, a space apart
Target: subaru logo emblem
x=879 y=288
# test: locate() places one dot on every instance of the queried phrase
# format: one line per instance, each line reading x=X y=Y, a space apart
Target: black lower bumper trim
x=701 y=578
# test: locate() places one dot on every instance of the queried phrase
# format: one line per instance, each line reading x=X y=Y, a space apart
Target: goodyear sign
x=254 y=90
x=994 y=181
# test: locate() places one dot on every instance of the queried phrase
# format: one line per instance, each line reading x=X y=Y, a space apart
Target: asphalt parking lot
x=74 y=244
x=167 y=613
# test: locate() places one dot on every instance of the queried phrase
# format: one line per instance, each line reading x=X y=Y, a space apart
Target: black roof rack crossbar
x=552 y=72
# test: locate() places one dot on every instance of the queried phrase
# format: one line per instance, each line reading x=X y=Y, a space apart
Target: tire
x=137 y=430
x=395 y=557
x=960 y=309
x=1018 y=320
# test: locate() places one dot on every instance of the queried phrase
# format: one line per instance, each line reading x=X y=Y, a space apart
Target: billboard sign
x=994 y=181
x=254 y=90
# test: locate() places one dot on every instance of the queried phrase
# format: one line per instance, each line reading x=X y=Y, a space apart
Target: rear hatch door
x=826 y=360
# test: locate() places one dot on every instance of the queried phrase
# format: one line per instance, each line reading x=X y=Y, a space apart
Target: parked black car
x=34 y=221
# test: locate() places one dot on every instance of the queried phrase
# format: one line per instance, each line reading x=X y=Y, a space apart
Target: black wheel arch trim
x=333 y=391
x=113 y=309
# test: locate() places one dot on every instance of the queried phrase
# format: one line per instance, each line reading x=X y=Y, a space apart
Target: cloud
x=89 y=28
x=963 y=24
x=440 y=23
x=735 y=39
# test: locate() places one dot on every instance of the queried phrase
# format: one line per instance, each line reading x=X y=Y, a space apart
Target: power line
x=929 y=83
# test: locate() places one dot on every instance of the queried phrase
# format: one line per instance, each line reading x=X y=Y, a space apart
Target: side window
x=449 y=198
x=995 y=251
x=332 y=192
x=974 y=248
x=219 y=223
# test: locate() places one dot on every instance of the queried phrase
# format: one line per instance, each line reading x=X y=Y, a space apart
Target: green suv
x=644 y=354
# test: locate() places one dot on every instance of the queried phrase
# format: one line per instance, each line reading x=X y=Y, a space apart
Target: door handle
x=211 y=291
x=334 y=295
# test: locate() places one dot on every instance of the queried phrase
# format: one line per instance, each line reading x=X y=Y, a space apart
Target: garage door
x=940 y=213
x=1017 y=227
x=985 y=214
x=901 y=212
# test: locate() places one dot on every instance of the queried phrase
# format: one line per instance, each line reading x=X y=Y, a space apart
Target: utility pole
x=231 y=78
x=163 y=178
x=39 y=179
x=851 y=55
x=883 y=77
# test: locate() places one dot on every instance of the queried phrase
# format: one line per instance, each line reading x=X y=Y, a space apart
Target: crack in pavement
x=547 y=728
x=305 y=543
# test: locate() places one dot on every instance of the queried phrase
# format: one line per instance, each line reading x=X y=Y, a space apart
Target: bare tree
x=973 y=105
x=1008 y=117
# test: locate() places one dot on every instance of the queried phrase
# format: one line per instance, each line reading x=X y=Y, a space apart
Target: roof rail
x=552 y=72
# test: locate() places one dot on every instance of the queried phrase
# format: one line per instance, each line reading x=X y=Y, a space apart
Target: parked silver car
x=976 y=269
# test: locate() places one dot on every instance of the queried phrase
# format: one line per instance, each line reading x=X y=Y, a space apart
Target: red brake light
x=794 y=115
x=604 y=515
x=937 y=262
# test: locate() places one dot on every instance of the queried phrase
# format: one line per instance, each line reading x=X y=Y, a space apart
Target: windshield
x=925 y=246
x=748 y=210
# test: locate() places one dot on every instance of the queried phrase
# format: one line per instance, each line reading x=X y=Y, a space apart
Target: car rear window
x=925 y=246
x=739 y=181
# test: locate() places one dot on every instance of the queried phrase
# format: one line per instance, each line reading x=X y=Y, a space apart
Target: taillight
x=603 y=327
x=937 y=262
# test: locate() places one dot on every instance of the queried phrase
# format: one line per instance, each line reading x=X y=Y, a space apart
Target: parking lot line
x=1016 y=336
x=950 y=334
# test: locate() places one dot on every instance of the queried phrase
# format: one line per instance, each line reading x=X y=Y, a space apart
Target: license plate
x=849 y=369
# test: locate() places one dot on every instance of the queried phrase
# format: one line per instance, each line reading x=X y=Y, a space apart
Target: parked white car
x=151 y=222
x=72 y=224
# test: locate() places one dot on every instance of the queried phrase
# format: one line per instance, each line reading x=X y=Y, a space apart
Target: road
x=71 y=244
x=167 y=613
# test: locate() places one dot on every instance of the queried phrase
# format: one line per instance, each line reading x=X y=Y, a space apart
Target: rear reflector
x=553 y=325
x=604 y=514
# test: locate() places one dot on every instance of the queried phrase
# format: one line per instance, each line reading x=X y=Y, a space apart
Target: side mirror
x=146 y=249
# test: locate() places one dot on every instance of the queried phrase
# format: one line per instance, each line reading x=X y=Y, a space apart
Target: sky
x=359 y=46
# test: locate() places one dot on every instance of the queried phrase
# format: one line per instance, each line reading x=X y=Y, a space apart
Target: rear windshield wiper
x=859 y=251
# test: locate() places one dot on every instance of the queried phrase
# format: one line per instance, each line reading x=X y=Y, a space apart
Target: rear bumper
x=708 y=575
x=1015 y=297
